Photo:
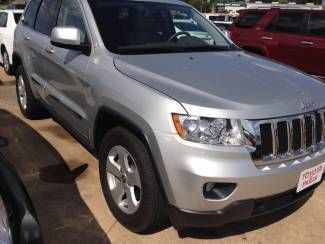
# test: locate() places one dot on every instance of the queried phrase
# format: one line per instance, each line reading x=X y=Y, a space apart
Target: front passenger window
x=30 y=13
x=46 y=17
x=70 y=15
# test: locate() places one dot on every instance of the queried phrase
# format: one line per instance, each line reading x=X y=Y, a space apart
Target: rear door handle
x=308 y=43
x=267 y=38
x=50 y=50
x=27 y=38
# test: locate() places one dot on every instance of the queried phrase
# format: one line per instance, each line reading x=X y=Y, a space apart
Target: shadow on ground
x=63 y=215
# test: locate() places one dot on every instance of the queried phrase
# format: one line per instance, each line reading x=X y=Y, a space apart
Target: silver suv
x=184 y=125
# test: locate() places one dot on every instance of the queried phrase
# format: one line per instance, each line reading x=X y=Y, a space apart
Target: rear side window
x=3 y=19
x=316 y=24
x=250 y=19
x=30 y=14
x=17 y=17
x=288 y=23
x=46 y=17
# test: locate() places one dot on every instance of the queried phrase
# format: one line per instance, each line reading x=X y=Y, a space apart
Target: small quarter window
x=17 y=17
x=250 y=19
x=316 y=24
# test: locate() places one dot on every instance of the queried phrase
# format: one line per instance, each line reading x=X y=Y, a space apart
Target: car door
x=286 y=29
x=30 y=50
x=313 y=44
x=67 y=90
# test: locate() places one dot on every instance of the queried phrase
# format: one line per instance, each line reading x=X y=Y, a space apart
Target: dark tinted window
x=3 y=19
x=316 y=25
x=289 y=22
x=217 y=18
x=46 y=17
x=250 y=19
x=70 y=15
x=143 y=27
x=30 y=14
x=17 y=17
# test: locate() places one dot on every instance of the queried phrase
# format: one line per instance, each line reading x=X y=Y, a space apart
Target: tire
x=6 y=63
x=29 y=106
x=150 y=214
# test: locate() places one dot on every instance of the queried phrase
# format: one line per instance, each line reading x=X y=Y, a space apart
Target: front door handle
x=267 y=38
x=308 y=43
x=50 y=50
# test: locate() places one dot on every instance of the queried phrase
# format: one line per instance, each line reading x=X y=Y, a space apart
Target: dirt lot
x=62 y=179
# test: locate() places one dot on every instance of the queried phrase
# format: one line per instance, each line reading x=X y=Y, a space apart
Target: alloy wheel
x=22 y=94
x=123 y=179
x=6 y=63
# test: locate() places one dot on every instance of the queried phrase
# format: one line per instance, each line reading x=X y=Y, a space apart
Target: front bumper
x=237 y=211
x=189 y=166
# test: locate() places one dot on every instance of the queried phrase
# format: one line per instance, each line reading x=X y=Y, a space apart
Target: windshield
x=135 y=27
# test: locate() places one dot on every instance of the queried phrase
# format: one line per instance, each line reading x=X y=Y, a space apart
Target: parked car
x=16 y=6
x=199 y=130
x=223 y=26
x=18 y=220
x=193 y=28
x=8 y=22
x=219 y=17
x=293 y=36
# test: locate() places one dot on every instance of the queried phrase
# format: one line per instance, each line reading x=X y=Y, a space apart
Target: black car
x=18 y=220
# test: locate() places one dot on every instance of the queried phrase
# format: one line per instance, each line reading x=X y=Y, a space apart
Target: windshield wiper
x=171 y=49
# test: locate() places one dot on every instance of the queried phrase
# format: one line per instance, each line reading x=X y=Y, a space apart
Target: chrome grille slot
x=287 y=138
x=266 y=139
x=283 y=139
x=309 y=131
x=296 y=135
x=319 y=127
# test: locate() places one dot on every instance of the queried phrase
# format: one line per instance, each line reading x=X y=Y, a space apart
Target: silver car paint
x=147 y=89
x=225 y=84
x=66 y=35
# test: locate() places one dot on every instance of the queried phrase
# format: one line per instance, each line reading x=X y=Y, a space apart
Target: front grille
x=288 y=138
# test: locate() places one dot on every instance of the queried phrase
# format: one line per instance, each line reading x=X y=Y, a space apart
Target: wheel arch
x=107 y=119
x=16 y=61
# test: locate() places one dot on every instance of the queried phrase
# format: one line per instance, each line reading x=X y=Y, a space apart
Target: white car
x=8 y=22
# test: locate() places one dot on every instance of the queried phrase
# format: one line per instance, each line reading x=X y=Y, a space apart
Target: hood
x=230 y=84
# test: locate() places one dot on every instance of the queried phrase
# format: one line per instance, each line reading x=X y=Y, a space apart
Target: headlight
x=209 y=130
x=5 y=234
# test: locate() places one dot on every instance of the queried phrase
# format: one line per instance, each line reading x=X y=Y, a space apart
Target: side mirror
x=68 y=38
